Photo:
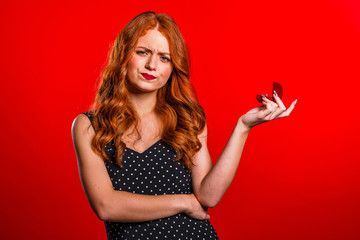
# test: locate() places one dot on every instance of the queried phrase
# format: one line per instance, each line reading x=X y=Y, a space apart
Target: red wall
x=298 y=177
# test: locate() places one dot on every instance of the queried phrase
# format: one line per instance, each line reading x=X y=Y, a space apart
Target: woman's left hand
x=268 y=111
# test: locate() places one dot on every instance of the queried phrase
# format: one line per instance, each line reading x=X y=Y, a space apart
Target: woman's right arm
x=120 y=206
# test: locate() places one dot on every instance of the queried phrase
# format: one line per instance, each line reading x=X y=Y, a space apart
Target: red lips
x=148 y=76
x=279 y=90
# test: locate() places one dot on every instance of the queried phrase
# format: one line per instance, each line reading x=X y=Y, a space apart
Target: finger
x=269 y=104
x=278 y=101
x=280 y=108
x=270 y=109
x=289 y=110
x=207 y=216
x=266 y=113
x=277 y=113
x=266 y=99
x=278 y=104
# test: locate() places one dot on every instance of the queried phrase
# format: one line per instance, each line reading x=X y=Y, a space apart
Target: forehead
x=154 y=40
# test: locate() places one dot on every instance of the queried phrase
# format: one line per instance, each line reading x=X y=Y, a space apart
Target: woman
x=148 y=128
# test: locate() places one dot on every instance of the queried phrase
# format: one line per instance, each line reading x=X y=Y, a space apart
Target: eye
x=165 y=59
x=141 y=52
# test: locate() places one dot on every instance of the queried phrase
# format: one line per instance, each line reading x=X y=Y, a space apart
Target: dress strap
x=90 y=116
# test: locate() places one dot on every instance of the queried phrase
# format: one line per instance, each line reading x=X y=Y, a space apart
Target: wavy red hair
x=182 y=117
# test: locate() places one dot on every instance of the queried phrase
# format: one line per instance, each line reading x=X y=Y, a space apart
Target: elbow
x=101 y=211
x=208 y=200
x=208 y=203
x=105 y=211
x=102 y=215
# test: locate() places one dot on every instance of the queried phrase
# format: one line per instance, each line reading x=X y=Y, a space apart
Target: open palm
x=268 y=111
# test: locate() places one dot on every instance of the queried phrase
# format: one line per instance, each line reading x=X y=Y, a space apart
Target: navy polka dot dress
x=153 y=172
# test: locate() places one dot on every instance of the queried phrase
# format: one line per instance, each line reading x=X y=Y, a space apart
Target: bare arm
x=111 y=205
x=211 y=182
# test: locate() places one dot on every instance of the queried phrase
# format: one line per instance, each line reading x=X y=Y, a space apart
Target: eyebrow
x=147 y=49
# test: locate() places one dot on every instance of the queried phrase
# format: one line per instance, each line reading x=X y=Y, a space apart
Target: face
x=150 y=65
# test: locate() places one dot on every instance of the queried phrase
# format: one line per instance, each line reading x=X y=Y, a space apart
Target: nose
x=151 y=63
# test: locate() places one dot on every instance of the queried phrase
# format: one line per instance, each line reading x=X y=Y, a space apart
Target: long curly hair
x=183 y=119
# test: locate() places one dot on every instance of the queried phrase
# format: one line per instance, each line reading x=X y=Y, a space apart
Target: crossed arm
x=120 y=206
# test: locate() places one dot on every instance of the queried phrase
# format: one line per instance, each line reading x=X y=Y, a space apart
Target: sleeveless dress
x=153 y=172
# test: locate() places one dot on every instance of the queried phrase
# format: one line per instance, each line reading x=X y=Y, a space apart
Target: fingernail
x=275 y=93
x=295 y=101
x=263 y=96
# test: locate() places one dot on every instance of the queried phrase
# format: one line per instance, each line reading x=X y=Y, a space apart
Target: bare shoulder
x=82 y=134
x=203 y=135
x=81 y=127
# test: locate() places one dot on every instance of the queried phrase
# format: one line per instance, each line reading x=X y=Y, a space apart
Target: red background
x=298 y=177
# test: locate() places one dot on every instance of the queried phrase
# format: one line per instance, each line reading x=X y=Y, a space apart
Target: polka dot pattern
x=154 y=172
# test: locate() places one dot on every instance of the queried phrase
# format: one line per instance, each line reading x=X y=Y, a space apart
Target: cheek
x=167 y=72
x=132 y=65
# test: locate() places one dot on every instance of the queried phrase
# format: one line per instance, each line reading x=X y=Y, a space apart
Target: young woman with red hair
x=142 y=149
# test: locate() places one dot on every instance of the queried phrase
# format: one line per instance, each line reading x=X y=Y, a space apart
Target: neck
x=143 y=102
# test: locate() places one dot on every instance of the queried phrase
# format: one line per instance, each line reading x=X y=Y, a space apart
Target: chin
x=143 y=88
